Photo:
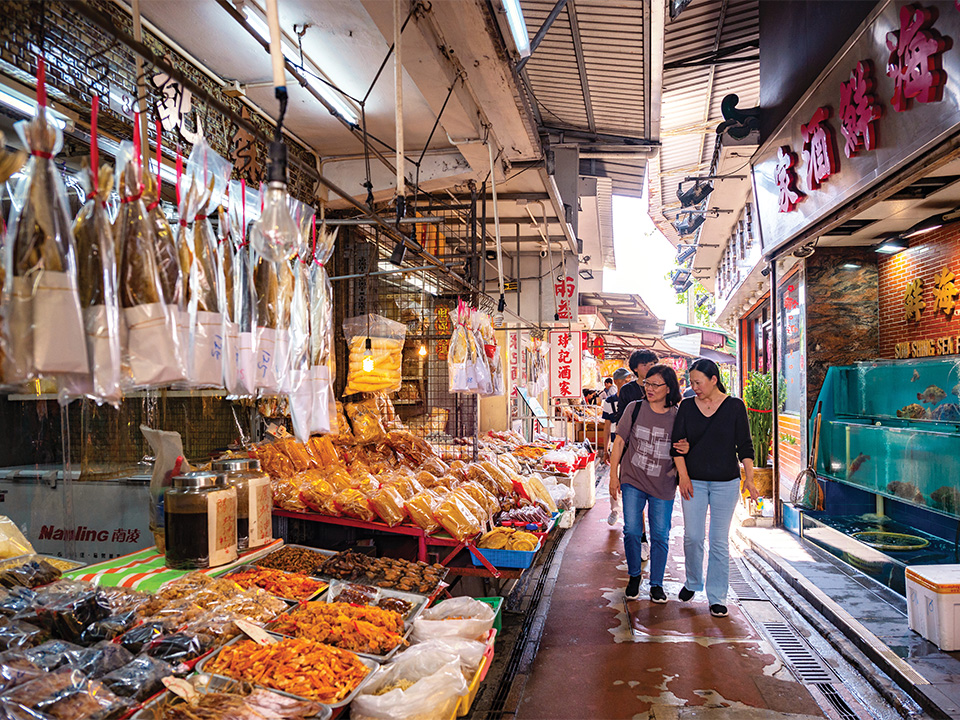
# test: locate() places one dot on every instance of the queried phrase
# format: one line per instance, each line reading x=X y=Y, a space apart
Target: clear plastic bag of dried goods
x=323 y=418
x=205 y=181
x=235 y=301
x=242 y=299
x=462 y=354
x=43 y=330
x=165 y=244
x=139 y=679
x=16 y=669
x=51 y=654
x=426 y=686
x=98 y=660
x=97 y=275
x=376 y=353
x=270 y=334
x=298 y=385
x=151 y=346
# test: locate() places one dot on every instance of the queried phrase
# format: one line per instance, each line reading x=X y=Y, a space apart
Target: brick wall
x=925 y=257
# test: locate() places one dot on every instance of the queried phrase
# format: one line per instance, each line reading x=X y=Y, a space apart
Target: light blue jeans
x=659 y=516
x=721 y=497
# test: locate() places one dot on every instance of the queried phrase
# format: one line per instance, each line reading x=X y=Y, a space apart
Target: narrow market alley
x=600 y=656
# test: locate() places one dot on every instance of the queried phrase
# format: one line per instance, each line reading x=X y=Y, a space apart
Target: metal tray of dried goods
x=318 y=551
x=378 y=579
x=323 y=588
x=368 y=661
x=207 y=683
x=417 y=602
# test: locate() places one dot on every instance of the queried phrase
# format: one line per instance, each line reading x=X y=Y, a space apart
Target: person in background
x=608 y=388
x=610 y=413
x=589 y=396
x=646 y=475
x=640 y=363
x=716 y=428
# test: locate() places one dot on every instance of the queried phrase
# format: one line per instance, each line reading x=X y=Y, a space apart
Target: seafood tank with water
x=889 y=463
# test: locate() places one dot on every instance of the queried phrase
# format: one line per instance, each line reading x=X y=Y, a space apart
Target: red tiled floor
x=601 y=657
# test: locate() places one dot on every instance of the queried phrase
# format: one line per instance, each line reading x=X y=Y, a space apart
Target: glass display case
x=892 y=427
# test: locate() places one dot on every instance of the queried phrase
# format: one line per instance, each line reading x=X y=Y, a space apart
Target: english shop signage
x=879 y=104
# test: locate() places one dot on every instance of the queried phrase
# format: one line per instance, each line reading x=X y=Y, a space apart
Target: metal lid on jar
x=199 y=479
x=233 y=464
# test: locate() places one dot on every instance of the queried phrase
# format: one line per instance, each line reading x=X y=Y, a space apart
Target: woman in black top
x=716 y=427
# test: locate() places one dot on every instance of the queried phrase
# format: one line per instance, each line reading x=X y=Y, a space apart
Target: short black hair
x=608 y=381
x=641 y=357
x=669 y=376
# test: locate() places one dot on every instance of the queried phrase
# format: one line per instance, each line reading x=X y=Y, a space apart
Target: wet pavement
x=602 y=657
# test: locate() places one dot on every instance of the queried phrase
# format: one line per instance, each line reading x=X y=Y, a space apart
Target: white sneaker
x=613 y=518
x=644 y=551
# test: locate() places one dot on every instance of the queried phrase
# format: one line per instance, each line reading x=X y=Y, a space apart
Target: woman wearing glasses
x=715 y=425
x=646 y=476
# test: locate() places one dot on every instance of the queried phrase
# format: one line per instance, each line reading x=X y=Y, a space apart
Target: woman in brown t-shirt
x=646 y=476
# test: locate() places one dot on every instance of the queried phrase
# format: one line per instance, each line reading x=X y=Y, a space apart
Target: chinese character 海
x=945 y=292
x=915 y=58
x=818 y=148
x=859 y=109
x=786 y=179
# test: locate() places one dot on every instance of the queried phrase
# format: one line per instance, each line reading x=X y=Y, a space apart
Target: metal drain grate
x=743 y=589
x=807 y=666
x=844 y=711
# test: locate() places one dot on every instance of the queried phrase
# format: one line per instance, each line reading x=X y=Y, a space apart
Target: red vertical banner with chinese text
x=565 y=358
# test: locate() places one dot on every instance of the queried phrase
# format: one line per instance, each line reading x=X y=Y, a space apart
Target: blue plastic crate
x=507 y=558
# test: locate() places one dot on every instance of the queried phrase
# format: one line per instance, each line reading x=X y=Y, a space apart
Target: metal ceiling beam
x=598 y=137
x=581 y=65
x=712 y=76
x=538 y=38
x=715 y=57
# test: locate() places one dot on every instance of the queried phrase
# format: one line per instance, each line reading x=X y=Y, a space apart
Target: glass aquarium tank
x=892 y=427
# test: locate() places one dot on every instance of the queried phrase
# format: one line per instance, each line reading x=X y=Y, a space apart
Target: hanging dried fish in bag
x=324 y=413
x=10 y=164
x=97 y=275
x=151 y=347
x=242 y=301
x=43 y=332
x=298 y=386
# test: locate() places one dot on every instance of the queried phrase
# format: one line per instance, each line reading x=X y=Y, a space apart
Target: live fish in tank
x=932 y=395
x=916 y=376
x=874 y=518
x=948 y=412
x=956 y=390
x=946 y=498
x=907 y=491
x=857 y=463
x=913 y=411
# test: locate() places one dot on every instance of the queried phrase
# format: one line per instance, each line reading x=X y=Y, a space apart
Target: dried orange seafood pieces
x=363 y=629
x=293 y=665
x=287 y=585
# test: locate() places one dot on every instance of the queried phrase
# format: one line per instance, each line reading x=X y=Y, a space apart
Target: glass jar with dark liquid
x=200 y=518
x=254 y=500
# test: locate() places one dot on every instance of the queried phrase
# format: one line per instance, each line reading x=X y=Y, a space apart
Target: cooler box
x=933 y=603
x=585 y=486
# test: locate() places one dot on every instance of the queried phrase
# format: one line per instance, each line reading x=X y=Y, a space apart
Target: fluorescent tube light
x=293 y=57
x=921 y=231
x=518 y=28
x=892 y=246
x=15 y=101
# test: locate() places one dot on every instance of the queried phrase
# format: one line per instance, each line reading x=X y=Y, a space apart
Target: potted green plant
x=758 y=397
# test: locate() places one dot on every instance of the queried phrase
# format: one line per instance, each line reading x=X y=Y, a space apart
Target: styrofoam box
x=584 y=486
x=933 y=603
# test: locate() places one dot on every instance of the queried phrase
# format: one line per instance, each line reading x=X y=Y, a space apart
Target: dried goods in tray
x=394 y=573
x=29 y=574
x=369 y=630
x=294 y=586
x=68 y=695
x=221 y=699
x=294 y=559
x=298 y=666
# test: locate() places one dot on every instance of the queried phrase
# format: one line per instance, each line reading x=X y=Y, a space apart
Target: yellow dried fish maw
x=420 y=508
x=168 y=260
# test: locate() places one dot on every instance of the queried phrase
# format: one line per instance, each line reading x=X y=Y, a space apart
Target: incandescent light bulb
x=368 y=358
x=274 y=235
x=422 y=352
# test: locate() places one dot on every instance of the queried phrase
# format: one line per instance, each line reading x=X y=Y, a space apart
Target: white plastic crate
x=933 y=603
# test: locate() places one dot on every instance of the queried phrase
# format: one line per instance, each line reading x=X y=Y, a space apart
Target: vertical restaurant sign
x=563 y=298
x=565 y=356
x=516 y=360
x=879 y=104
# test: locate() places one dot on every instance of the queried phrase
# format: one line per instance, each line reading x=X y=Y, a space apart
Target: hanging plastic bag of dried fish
x=237 y=264
x=98 y=287
x=324 y=414
x=43 y=331
x=10 y=164
x=151 y=347
x=297 y=381
x=206 y=179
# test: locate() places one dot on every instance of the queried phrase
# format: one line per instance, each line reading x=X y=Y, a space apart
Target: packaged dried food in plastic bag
x=422 y=686
x=43 y=330
x=240 y=298
x=353 y=503
x=139 y=679
x=51 y=654
x=456 y=518
x=375 y=342
x=344 y=433
x=179 y=647
x=16 y=600
x=136 y=639
x=168 y=261
x=97 y=278
x=68 y=695
x=16 y=669
x=268 y=370
x=341 y=479
x=388 y=503
x=97 y=661
x=483 y=497
x=324 y=451
x=477 y=473
x=30 y=574
x=69 y=616
x=297 y=453
x=16 y=634
x=207 y=175
x=323 y=414
x=299 y=381
x=150 y=342
x=318 y=494
x=421 y=510
x=13 y=543
x=476 y=508
x=462 y=354
x=365 y=419
x=470 y=652
x=502 y=480
x=456 y=617
x=275 y=463
x=286 y=494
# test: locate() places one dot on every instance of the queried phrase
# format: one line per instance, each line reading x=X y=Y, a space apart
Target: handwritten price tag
x=255 y=632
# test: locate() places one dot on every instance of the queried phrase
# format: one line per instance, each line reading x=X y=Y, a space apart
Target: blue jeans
x=659 y=514
x=721 y=497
